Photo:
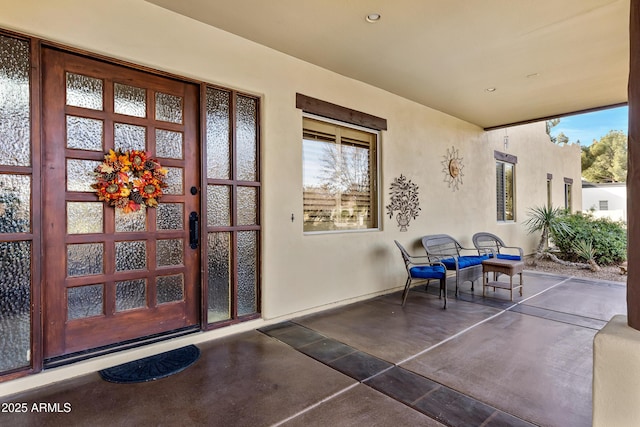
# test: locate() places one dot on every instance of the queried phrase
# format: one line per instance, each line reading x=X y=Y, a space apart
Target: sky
x=590 y=126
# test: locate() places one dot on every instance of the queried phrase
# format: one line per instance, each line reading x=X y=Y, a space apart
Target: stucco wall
x=616 y=196
x=303 y=272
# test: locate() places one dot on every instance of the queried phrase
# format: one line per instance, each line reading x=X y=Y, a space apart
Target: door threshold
x=68 y=359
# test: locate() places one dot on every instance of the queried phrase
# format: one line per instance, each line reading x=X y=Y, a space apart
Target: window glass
x=339 y=177
x=505 y=191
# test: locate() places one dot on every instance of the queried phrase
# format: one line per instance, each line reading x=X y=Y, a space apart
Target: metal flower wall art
x=452 y=169
x=404 y=200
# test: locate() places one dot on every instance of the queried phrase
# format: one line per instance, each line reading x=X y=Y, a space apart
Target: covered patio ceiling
x=489 y=62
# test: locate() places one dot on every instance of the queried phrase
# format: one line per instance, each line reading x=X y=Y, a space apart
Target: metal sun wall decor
x=452 y=169
x=404 y=199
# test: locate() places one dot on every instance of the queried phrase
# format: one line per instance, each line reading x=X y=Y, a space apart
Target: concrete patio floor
x=480 y=362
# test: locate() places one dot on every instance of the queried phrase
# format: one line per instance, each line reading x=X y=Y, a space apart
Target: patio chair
x=492 y=245
x=420 y=268
x=447 y=250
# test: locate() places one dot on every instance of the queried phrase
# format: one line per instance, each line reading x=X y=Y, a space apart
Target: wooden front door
x=112 y=276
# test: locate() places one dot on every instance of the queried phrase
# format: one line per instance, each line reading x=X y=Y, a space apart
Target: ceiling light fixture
x=373 y=17
x=490 y=89
x=531 y=76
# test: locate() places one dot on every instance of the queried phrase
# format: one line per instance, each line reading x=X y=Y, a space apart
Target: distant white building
x=605 y=200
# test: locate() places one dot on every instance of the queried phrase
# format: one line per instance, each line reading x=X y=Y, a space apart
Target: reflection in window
x=505 y=191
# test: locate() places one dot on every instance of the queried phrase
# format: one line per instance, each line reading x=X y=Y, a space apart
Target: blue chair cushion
x=510 y=257
x=428 y=272
x=464 y=261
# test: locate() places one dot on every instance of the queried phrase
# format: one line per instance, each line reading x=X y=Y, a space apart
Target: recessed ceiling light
x=490 y=89
x=533 y=75
x=373 y=17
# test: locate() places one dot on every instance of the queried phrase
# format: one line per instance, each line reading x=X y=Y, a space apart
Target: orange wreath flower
x=129 y=180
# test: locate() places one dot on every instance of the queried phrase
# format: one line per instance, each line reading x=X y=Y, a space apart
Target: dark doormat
x=153 y=367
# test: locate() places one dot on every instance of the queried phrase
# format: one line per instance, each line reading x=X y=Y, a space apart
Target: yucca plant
x=550 y=221
x=585 y=250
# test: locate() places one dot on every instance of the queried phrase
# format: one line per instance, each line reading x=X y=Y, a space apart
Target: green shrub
x=609 y=238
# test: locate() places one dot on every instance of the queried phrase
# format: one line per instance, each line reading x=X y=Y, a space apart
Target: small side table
x=504 y=266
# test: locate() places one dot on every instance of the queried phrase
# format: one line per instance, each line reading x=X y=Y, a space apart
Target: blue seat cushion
x=510 y=257
x=428 y=272
x=464 y=261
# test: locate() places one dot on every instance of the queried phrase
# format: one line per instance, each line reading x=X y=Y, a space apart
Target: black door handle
x=194 y=231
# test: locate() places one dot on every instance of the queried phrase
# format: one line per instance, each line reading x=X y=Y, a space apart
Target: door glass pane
x=129 y=137
x=170 y=216
x=247 y=205
x=15 y=128
x=131 y=255
x=84 y=91
x=170 y=288
x=218 y=134
x=168 y=144
x=84 y=301
x=247 y=272
x=80 y=175
x=129 y=100
x=169 y=252
x=15 y=203
x=174 y=181
x=84 y=217
x=84 y=134
x=247 y=139
x=131 y=294
x=84 y=259
x=15 y=302
x=132 y=221
x=219 y=281
x=168 y=108
x=218 y=205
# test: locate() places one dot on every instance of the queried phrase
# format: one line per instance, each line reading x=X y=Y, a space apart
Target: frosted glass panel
x=129 y=100
x=84 y=91
x=131 y=294
x=247 y=272
x=131 y=255
x=84 y=217
x=218 y=205
x=247 y=205
x=84 y=301
x=15 y=302
x=80 y=175
x=174 y=181
x=168 y=108
x=218 y=134
x=168 y=144
x=15 y=112
x=84 y=134
x=84 y=259
x=169 y=252
x=132 y=221
x=15 y=203
x=247 y=139
x=170 y=216
x=129 y=137
x=219 y=280
x=170 y=288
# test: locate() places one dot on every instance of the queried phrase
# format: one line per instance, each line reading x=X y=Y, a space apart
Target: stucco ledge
x=616 y=375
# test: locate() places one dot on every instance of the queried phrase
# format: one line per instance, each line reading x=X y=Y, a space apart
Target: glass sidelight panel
x=131 y=294
x=131 y=255
x=218 y=134
x=15 y=203
x=84 y=133
x=84 y=259
x=219 y=300
x=129 y=137
x=84 y=91
x=170 y=288
x=84 y=217
x=247 y=272
x=218 y=205
x=129 y=100
x=247 y=205
x=247 y=138
x=15 y=127
x=85 y=301
x=15 y=302
x=168 y=108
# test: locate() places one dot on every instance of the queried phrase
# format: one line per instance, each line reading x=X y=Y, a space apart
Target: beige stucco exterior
x=302 y=273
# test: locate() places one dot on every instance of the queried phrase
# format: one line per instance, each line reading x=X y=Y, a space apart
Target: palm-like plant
x=550 y=221
x=584 y=249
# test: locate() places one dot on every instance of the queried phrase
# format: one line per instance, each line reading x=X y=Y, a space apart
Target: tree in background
x=606 y=160
x=550 y=124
